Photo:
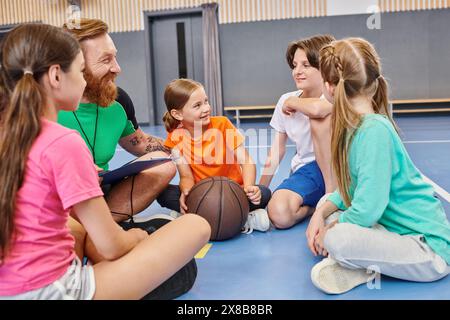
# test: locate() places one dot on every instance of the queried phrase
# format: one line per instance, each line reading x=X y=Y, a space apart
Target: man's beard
x=99 y=90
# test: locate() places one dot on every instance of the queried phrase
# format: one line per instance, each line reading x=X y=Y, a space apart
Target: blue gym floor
x=276 y=265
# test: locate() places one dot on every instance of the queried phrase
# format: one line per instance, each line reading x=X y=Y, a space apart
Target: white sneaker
x=332 y=278
x=257 y=220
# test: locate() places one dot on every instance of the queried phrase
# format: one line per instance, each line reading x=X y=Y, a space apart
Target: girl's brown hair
x=353 y=66
x=176 y=96
x=27 y=53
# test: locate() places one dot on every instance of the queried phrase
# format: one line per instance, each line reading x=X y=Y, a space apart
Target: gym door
x=177 y=51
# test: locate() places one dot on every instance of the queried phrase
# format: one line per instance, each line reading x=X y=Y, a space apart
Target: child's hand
x=320 y=237
x=253 y=194
x=138 y=234
x=183 y=206
x=316 y=224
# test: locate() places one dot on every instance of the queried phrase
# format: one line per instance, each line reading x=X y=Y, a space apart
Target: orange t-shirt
x=212 y=154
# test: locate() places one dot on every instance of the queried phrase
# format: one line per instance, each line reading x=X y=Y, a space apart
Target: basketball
x=222 y=202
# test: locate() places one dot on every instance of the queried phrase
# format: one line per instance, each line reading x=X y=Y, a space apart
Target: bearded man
x=102 y=122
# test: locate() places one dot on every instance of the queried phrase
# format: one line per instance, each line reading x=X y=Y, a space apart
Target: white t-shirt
x=297 y=129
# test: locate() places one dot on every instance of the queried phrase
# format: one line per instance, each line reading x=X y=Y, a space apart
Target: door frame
x=149 y=16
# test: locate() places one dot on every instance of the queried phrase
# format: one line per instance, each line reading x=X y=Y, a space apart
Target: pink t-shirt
x=59 y=173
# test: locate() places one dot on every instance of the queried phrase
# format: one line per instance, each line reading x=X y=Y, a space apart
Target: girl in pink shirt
x=47 y=173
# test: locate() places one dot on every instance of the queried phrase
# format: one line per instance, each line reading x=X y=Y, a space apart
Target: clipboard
x=129 y=169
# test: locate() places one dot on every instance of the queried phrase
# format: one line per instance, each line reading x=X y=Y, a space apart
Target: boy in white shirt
x=303 y=116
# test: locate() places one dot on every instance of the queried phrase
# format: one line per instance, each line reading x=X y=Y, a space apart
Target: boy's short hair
x=311 y=46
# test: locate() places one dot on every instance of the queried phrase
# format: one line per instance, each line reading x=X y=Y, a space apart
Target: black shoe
x=180 y=283
x=183 y=280
x=151 y=224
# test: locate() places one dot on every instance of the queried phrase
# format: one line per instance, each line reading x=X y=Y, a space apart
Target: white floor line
x=429 y=141
x=439 y=190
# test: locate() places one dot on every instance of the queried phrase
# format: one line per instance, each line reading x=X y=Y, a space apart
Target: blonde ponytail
x=344 y=124
x=381 y=101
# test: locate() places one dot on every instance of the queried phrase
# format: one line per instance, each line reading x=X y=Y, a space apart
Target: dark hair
x=28 y=51
x=311 y=46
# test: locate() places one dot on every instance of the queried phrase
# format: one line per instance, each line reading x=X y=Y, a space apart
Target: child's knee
x=163 y=173
x=338 y=239
x=280 y=214
x=199 y=224
x=170 y=170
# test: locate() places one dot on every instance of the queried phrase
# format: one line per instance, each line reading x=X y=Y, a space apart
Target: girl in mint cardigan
x=383 y=218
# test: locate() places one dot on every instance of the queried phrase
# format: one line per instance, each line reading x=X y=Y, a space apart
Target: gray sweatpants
x=377 y=249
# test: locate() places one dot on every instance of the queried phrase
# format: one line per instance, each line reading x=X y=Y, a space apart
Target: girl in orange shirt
x=206 y=146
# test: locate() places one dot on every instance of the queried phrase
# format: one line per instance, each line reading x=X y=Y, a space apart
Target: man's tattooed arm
x=134 y=141
x=140 y=143
x=155 y=144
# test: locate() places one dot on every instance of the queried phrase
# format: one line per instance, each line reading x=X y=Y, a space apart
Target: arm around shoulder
x=314 y=108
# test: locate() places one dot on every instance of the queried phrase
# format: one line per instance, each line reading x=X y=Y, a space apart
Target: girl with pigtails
x=383 y=218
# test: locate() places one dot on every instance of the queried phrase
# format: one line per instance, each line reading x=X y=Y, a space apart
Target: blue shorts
x=307 y=182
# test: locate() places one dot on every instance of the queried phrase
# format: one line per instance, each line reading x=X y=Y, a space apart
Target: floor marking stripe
x=427 y=141
x=203 y=251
